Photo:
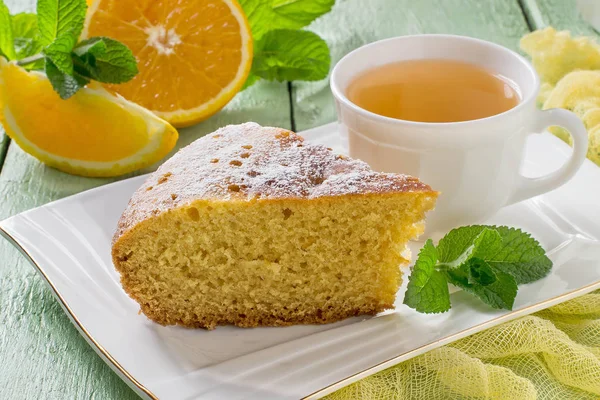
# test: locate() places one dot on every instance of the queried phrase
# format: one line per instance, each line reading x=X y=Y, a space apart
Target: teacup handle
x=530 y=187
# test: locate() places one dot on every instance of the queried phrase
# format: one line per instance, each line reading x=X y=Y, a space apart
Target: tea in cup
x=455 y=112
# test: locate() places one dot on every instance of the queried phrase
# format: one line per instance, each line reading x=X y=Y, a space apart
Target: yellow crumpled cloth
x=570 y=72
x=552 y=354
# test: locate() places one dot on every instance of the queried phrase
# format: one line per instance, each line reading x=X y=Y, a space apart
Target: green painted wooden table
x=41 y=354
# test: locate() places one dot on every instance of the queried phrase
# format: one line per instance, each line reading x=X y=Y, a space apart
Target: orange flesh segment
x=69 y=128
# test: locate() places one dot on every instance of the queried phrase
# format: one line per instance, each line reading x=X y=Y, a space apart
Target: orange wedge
x=193 y=55
x=93 y=133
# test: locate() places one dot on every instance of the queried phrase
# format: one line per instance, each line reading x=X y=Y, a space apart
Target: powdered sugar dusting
x=249 y=162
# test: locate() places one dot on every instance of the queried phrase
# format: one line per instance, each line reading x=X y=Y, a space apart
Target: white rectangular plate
x=68 y=241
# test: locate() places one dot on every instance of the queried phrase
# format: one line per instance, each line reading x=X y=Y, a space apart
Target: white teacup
x=474 y=164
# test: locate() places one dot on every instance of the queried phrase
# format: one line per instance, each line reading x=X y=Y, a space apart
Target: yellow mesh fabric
x=553 y=354
x=569 y=69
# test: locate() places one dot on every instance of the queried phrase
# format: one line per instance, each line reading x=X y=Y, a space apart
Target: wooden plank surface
x=351 y=24
x=561 y=14
x=43 y=356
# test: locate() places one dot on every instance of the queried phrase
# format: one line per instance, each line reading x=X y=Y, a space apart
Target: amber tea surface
x=433 y=91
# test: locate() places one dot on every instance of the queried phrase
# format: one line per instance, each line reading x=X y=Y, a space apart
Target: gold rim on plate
x=343 y=382
x=99 y=347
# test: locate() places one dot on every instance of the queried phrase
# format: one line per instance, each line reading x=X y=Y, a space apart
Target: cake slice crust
x=314 y=241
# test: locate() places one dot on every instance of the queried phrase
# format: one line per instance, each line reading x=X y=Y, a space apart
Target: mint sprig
x=486 y=261
x=282 y=50
x=50 y=41
x=427 y=286
x=512 y=251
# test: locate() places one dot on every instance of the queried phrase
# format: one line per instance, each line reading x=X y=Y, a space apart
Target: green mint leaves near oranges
x=267 y=15
x=486 y=261
x=7 y=48
x=282 y=50
x=49 y=40
x=287 y=55
x=105 y=60
x=26 y=36
x=59 y=18
x=59 y=52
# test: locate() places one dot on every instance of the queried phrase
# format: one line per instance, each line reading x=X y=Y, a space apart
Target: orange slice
x=93 y=133
x=193 y=55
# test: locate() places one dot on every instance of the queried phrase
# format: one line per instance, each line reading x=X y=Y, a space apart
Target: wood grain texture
x=351 y=24
x=561 y=14
x=43 y=356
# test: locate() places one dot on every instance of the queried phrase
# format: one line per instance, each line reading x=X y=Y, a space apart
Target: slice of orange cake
x=252 y=226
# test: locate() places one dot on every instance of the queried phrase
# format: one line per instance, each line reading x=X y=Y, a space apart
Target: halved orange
x=193 y=55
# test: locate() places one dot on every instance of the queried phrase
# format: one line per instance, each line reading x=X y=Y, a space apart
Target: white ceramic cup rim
x=527 y=98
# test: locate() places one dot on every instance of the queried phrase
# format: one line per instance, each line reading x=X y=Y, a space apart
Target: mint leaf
x=499 y=294
x=59 y=17
x=480 y=272
x=459 y=241
x=25 y=35
x=109 y=62
x=7 y=47
x=427 y=289
x=287 y=55
x=302 y=11
x=26 y=38
x=24 y=26
x=517 y=254
x=94 y=46
x=64 y=84
x=485 y=238
x=266 y=15
x=59 y=52
x=281 y=52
